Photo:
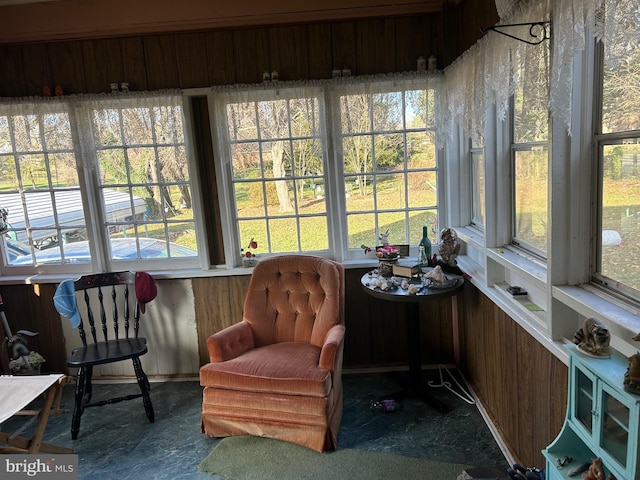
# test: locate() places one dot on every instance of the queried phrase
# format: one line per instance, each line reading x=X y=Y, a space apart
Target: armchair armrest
x=230 y=342
x=332 y=344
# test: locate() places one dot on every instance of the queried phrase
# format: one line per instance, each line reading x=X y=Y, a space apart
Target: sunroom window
x=275 y=145
x=530 y=152
x=388 y=153
x=617 y=263
x=93 y=180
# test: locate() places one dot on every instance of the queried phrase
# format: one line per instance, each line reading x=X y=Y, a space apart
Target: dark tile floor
x=117 y=442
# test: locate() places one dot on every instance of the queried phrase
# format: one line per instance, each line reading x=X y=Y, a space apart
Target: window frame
x=412 y=238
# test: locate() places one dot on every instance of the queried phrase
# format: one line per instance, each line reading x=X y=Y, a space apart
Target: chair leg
x=79 y=405
x=88 y=387
x=143 y=382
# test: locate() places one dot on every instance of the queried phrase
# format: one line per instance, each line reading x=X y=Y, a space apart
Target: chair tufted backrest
x=294 y=298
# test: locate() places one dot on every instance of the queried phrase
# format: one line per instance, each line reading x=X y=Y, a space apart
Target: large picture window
x=327 y=168
x=89 y=181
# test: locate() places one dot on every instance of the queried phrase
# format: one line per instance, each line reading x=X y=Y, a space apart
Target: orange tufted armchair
x=277 y=373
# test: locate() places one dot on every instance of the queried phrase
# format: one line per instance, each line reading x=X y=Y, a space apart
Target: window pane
x=63 y=169
x=394 y=223
x=136 y=123
x=421 y=150
x=284 y=235
x=9 y=173
x=531 y=197
x=532 y=96
x=389 y=152
x=387 y=111
x=113 y=166
x=478 y=197
x=313 y=234
x=361 y=230
x=359 y=193
x=34 y=171
x=529 y=149
x=620 y=100
x=280 y=197
x=422 y=189
x=106 y=127
x=57 y=132
x=357 y=153
x=620 y=213
x=355 y=113
x=26 y=129
x=6 y=145
x=390 y=192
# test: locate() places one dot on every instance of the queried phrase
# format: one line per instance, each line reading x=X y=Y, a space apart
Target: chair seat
x=270 y=369
x=107 y=352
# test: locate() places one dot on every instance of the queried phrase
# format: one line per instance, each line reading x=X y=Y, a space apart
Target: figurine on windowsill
x=384 y=238
x=449 y=246
x=632 y=375
x=631 y=381
x=593 y=338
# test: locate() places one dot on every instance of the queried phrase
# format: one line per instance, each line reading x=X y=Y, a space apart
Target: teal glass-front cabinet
x=602 y=419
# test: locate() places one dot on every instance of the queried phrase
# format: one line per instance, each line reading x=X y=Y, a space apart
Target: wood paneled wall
x=201 y=59
x=240 y=55
x=30 y=307
x=521 y=384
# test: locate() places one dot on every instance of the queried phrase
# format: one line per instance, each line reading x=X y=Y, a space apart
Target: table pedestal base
x=417 y=388
x=420 y=392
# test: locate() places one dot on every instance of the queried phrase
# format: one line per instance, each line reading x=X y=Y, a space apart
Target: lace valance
x=486 y=73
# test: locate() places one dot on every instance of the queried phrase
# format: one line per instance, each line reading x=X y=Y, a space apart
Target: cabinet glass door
x=615 y=427
x=583 y=408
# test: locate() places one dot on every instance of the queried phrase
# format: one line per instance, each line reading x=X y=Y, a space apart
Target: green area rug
x=248 y=458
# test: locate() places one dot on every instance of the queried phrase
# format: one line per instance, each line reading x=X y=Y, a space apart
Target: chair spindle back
x=92 y=286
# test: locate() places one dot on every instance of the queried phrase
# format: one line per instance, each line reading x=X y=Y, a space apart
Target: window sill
x=526 y=265
x=588 y=300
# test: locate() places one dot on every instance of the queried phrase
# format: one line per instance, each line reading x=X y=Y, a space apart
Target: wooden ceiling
x=23 y=21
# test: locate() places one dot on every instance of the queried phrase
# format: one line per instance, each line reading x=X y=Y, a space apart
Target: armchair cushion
x=270 y=369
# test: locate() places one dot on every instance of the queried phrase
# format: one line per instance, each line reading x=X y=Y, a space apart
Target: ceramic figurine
x=593 y=338
x=632 y=375
x=449 y=246
x=595 y=472
x=384 y=238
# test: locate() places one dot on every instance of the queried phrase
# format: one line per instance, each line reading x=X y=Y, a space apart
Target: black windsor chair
x=117 y=286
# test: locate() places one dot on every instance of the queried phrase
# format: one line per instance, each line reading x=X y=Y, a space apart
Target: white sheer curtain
x=80 y=108
x=485 y=74
x=314 y=88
